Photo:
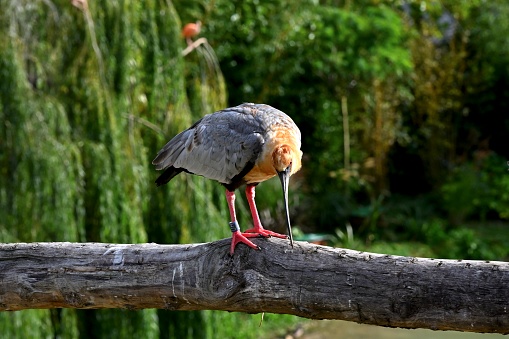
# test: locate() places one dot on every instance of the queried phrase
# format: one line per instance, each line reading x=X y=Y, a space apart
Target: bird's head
x=286 y=161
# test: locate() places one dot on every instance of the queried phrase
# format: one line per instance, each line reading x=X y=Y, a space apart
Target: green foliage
x=408 y=249
x=41 y=166
x=243 y=325
x=416 y=230
x=475 y=191
x=462 y=193
x=117 y=323
x=366 y=42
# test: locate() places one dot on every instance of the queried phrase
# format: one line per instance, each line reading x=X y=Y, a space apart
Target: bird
x=236 y=146
x=191 y=30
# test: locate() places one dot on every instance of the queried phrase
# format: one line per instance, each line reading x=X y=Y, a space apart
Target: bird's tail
x=168 y=175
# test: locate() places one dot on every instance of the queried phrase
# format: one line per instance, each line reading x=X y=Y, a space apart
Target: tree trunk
x=309 y=281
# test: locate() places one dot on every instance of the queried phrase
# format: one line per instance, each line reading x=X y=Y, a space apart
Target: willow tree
x=89 y=92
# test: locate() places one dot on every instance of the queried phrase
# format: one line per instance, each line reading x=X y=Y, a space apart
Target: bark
x=310 y=281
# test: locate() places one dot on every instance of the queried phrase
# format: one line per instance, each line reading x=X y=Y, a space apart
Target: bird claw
x=238 y=237
x=262 y=232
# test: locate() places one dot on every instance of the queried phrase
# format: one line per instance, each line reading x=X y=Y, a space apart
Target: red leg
x=258 y=228
x=237 y=236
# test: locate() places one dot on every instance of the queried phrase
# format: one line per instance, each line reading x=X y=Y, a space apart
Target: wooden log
x=308 y=280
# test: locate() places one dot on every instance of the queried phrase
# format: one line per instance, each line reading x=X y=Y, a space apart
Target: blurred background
x=402 y=104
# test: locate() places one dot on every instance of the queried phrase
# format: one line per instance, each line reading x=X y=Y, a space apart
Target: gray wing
x=219 y=146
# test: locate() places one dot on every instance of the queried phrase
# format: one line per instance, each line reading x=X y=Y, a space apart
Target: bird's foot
x=262 y=232
x=237 y=237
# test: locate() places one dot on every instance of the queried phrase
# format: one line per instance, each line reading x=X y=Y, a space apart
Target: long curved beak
x=284 y=176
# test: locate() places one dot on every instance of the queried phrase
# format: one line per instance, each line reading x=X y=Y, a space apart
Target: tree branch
x=193 y=46
x=309 y=281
